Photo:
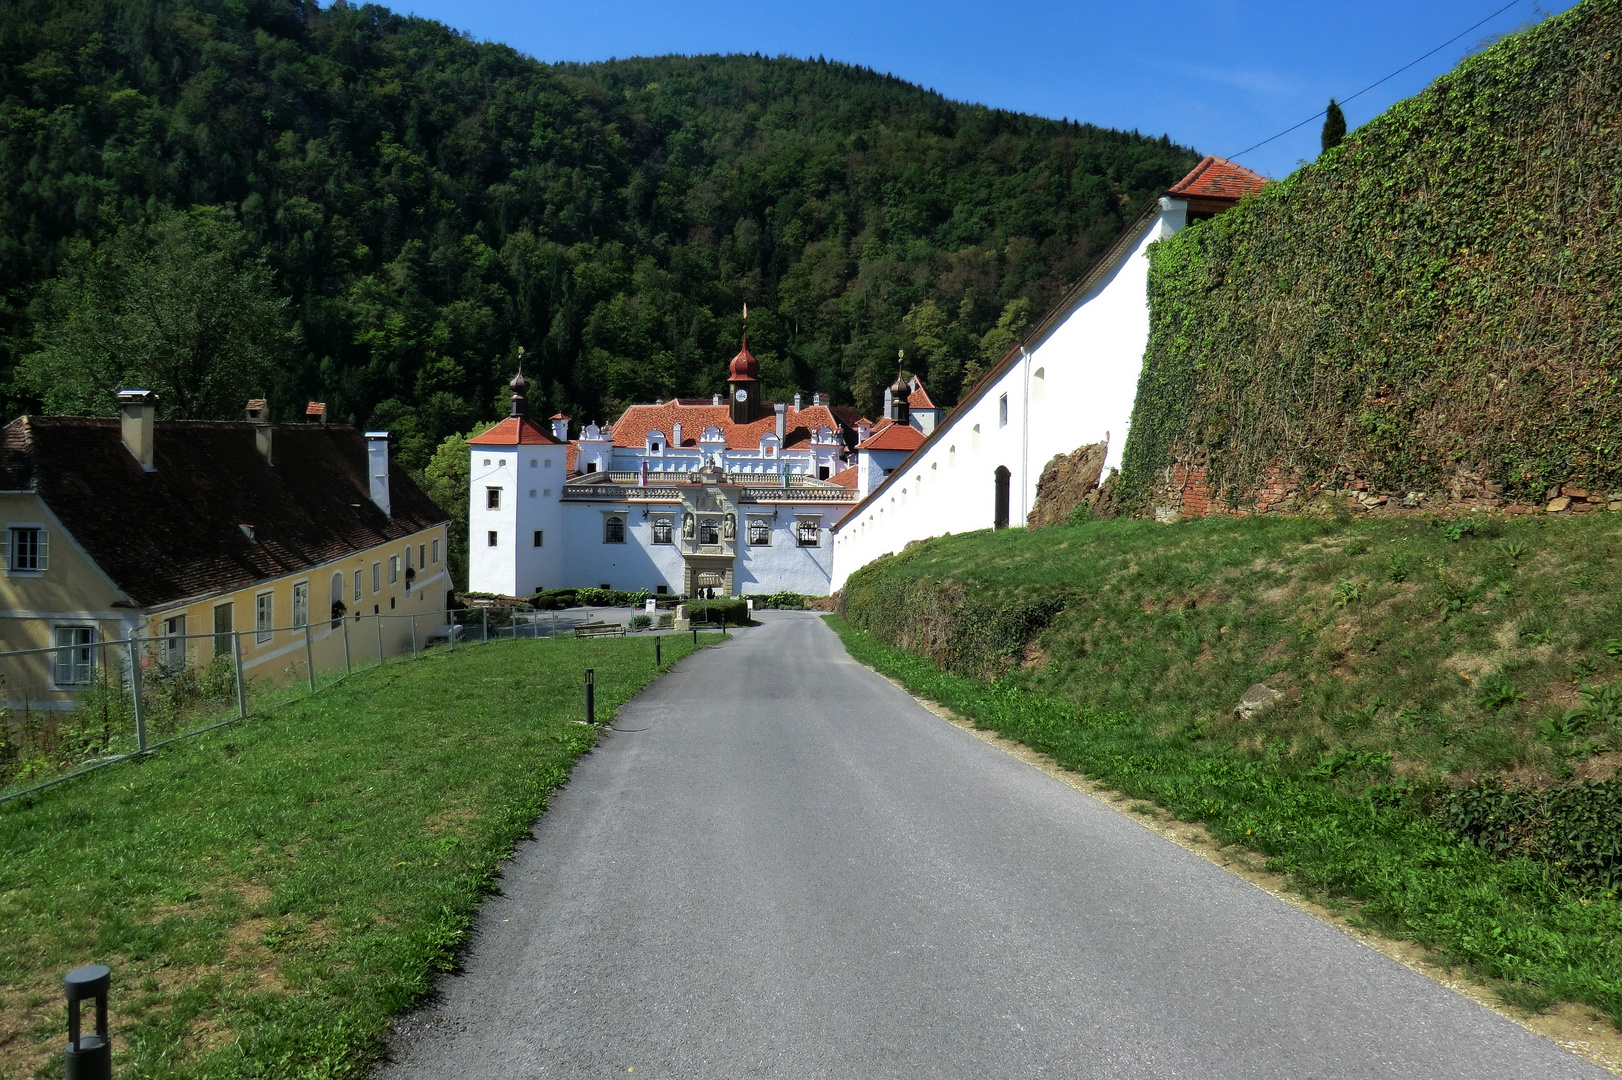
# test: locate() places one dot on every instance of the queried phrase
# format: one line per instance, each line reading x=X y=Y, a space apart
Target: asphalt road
x=792 y=870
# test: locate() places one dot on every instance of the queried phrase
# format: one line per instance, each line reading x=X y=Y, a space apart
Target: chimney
x=560 y=427
x=317 y=412
x=796 y=401
x=140 y=409
x=259 y=417
x=864 y=431
x=782 y=421
x=377 y=466
x=715 y=400
x=820 y=399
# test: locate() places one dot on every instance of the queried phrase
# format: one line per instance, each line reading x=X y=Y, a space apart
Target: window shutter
x=44 y=547
x=5 y=549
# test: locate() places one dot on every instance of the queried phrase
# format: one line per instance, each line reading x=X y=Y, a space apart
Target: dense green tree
x=1334 y=125
x=183 y=306
x=429 y=203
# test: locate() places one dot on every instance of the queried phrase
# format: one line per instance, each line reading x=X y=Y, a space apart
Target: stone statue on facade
x=729 y=531
x=687 y=526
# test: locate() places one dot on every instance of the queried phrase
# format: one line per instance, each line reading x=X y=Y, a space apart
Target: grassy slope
x=1436 y=661
x=270 y=895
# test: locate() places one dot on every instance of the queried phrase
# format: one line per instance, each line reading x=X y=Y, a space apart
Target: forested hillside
x=424 y=205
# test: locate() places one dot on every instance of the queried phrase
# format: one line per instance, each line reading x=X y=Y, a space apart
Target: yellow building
x=292 y=535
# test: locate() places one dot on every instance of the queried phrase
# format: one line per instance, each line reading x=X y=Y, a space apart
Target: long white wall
x=1073 y=386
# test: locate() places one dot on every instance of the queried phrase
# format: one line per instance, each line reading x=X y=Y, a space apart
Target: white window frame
x=42 y=548
x=264 y=616
x=1002 y=411
x=800 y=525
x=377 y=578
x=301 y=603
x=394 y=569
x=750 y=526
x=359 y=572
x=63 y=673
x=436 y=552
x=172 y=641
x=214 y=622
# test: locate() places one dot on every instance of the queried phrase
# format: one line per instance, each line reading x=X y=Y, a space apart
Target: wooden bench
x=600 y=629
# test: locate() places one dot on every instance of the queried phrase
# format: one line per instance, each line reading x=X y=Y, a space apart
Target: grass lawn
x=270 y=895
x=1412 y=659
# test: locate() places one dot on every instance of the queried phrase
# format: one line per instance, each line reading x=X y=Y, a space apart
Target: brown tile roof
x=845 y=478
x=174 y=533
x=632 y=428
x=515 y=431
x=1217 y=178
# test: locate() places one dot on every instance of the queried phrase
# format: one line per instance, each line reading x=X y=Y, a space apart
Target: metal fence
x=70 y=708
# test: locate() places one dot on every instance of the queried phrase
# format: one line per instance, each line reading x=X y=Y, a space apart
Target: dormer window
x=653 y=448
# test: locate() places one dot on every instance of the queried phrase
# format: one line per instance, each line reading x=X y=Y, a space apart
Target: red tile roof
x=632 y=428
x=845 y=478
x=515 y=431
x=1217 y=178
x=889 y=435
x=919 y=398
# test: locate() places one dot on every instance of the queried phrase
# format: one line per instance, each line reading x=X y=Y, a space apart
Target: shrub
x=641 y=622
x=730 y=610
x=784 y=601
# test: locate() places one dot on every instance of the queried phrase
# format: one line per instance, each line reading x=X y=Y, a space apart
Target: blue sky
x=1218 y=75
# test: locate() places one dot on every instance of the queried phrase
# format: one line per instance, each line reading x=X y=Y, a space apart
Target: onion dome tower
x=743 y=378
x=900 y=407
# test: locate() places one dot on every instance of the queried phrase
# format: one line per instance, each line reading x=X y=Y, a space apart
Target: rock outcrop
x=1065 y=484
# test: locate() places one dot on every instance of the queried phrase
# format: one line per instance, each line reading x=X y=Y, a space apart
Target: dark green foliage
x=183 y=306
x=786 y=601
x=1334 y=126
x=1576 y=831
x=1442 y=294
x=727 y=610
x=429 y=204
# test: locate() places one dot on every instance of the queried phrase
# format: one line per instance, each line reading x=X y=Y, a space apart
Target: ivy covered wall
x=1436 y=297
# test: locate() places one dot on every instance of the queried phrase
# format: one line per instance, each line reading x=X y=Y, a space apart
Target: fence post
x=379 y=619
x=135 y=693
x=486 y=613
x=236 y=659
x=349 y=668
x=309 y=655
x=413 y=637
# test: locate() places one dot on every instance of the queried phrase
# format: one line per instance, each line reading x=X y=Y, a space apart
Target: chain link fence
x=70 y=708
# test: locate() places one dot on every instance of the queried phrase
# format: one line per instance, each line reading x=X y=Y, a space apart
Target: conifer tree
x=1334 y=126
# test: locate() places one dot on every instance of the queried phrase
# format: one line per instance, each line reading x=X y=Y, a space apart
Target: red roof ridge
x=515 y=431
x=1218 y=178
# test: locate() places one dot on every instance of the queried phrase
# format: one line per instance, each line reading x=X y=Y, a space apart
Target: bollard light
x=591 y=696
x=88 y=1057
x=658 y=660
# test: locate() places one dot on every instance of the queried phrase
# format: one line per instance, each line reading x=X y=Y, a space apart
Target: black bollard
x=591 y=696
x=658 y=659
x=88 y=1057
x=695 y=633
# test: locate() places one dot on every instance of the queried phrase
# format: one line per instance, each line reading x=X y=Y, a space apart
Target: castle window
x=492 y=498
x=760 y=532
x=663 y=530
x=653 y=448
x=490 y=538
x=1002 y=411
x=709 y=531
x=540 y=535
x=301 y=603
x=808 y=531
x=613 y=529
x=263 y=612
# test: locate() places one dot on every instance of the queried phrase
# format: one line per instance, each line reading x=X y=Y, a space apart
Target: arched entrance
x=999 y=518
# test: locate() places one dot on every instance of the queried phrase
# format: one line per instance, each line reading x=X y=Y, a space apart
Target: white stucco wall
x=1076 y=384
x=515 y=566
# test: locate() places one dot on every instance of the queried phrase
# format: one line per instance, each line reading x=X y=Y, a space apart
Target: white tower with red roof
x=515 y=525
